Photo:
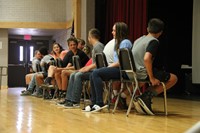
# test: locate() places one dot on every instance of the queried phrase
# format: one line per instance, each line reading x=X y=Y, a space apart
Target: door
x=20 y=56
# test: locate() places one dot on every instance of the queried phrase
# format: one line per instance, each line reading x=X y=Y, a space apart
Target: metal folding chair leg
x=165 y=98
x=136 y=87
x=118 y=96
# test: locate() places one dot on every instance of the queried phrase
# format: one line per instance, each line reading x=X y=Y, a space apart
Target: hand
x=155 y=81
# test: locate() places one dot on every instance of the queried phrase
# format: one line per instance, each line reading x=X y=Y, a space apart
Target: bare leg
x=58 y=80
x=170 y=83
x=65 y=75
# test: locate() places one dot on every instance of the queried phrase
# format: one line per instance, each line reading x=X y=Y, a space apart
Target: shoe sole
x=143 y=105
x=138 y=108
x=105 y=106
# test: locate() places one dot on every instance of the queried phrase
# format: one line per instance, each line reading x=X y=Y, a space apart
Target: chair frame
x=128 y=68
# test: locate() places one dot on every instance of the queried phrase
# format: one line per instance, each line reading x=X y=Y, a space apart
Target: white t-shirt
x=109 y=51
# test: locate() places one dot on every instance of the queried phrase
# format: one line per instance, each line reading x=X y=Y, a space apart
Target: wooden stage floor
x=27 y=114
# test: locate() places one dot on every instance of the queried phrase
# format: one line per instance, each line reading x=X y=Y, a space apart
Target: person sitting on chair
x=144 y=51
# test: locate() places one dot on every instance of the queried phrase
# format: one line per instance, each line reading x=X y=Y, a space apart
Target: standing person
x=120 y=34
x=144 y=51
x=75 y=82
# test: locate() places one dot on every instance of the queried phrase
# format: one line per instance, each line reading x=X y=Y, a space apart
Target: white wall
x=33 y=10
x=196 y=42
x=4 y=55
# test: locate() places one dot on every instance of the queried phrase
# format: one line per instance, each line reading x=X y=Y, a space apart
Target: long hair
x=61 y=48
x=121 y=33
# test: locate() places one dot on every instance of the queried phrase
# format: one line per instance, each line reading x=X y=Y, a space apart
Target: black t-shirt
x=153 y=47
x=68 y=57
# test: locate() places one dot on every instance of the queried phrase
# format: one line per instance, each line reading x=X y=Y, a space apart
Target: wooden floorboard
x=27 y=114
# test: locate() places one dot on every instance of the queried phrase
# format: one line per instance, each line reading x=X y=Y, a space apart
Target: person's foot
x=87 y=108
x=97 y=108
x=70 y=105
x=138 y=108
x=62 y=103
x=145 y=102
x=26 y=93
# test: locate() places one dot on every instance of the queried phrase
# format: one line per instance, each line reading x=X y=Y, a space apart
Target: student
x=75 y=82
x=120 y=34
x=144 y=51
x=36 y=61
x=62 y=74
x=81 y=43
x=39 y=77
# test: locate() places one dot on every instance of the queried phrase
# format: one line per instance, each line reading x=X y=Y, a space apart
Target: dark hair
x=155 y=25
x=73 y=39
x=43 y=50
x=95 y=33
x=81 y=41
x=121 y=33
x=61 y=48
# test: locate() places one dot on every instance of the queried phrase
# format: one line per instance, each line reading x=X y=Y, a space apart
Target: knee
x=174 y=78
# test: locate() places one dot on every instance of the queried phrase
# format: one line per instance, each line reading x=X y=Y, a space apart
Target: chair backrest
x=38 y=67
x=76 y=62
x=127 y=65
x=58 y=62
x=101 y=60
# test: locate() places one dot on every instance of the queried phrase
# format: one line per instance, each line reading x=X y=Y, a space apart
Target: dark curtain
x=132 y=12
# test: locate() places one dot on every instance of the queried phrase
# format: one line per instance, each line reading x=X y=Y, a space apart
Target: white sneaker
x=88 y=108
x=97 y=108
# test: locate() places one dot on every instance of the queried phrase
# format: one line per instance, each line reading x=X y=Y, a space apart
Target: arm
x=148 y=64
x=87 y=68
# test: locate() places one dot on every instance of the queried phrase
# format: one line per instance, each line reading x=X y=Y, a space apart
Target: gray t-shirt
x=35 y=61
x=97 y=48
x=139 y=49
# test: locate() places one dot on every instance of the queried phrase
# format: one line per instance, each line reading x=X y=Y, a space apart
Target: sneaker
x=97 y=108
x=145 y=102
x=138 y=108
x=34 y=94
x=62 y=102
x=70 y=105
x=23 y=91
x=88 y=108
x=76 y=105
x=26 y=93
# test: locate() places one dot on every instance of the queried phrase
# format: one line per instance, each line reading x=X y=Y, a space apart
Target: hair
x=61 y=48
x=155 y=25
x=72 y=39
x=81 y=41
x=36 y=51
x=43 y=50
x=95 y=33
x=121 y=33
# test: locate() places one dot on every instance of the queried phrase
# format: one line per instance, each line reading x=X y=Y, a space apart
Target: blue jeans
x=32 y=83
x=74 y=88
x=96 y=82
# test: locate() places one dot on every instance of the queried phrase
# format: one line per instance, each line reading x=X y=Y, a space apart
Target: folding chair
x=128 y=74
x=102 y=62
x=47 y=89
x=77 y=66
